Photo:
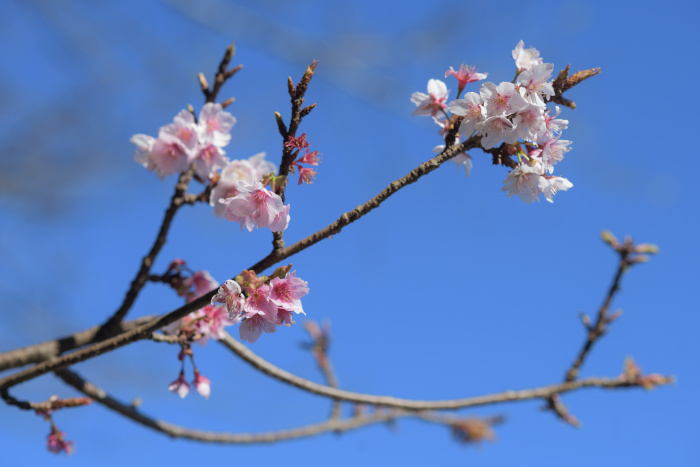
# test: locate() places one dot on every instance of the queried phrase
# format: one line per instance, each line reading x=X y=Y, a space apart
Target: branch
x=351 y=216
x=410 y=404
x=141 y=278
x=176 y=431
x=626 y=251
x=45 y=350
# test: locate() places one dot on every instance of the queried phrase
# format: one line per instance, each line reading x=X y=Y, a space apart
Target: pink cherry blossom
x=533 y=84
x=306 y=175
x=501 y=100
x=465 y=160
x=208 y=160
x=495 y=129
x=180 y=386
x=286 y=293
x=230 y=295
x=555 y=184
x=311 y=158
x=165 y=155
x=297 y=142
x=184 y=129
x=553 y=151
x=526 y=182
x=284 y=318
x=525 y=59
x=254 y=205
x=471 y=107
x=217 y=318
x=529 y=123
x=57 y=443
x=202 y=384
x=553 y=124
x=281 y=220
x=465 y=75
x=258 y=303
x=261 y=165
x=248 y=170
x=251 y=328
x=202 y=283
x=215 y=124
x=434 y=101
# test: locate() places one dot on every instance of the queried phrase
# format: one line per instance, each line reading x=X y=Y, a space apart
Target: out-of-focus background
x=449 y=290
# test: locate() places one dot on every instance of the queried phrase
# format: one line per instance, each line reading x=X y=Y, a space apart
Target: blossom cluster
x=299 y=143
x=201 y=324
x=187 y=141
x=262 y=303
x=514 y=113
x=237 y=192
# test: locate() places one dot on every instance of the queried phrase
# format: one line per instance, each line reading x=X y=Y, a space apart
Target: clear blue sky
x=449 y=290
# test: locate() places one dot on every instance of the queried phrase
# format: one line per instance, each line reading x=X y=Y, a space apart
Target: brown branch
x=596 y=331
x=564 y=82
x=142 y=331
x=351 y=216
x=410 y=404
x=629 y=254
x=141 y=278
x=176 y=431
x=44 y=350
x=319 y=349
x=222 y=75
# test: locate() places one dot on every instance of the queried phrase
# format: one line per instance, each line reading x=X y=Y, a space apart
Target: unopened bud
x=613 y=316
x=647 y=248
x=203 y=82
x=610 y=239
x=586 y=320
x=228 y=102
x=639 y=259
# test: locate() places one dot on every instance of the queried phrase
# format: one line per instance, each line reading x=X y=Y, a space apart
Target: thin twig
x=141 y=278
x=176 y=431
x=409 y=404
x=596 y=331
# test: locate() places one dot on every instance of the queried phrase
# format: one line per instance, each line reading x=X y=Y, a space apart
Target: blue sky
x=449 y=290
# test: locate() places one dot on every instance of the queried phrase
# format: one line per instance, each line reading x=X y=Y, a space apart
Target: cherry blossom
x=434 y=101
x=202 y=384
x=57 y=443
x=533 y=83
x=553 y=151
x=255 y=206
x=180 y=386
x=465 y=75
x=471 y=107
x=526 y=182
x=286 y=293
x=248 y=170
x=501 y=100
x=230 y=295
x=525 y=59
x=553 y=185
x=184 y=129
x=202 y=283
x=215 y=124
x=553 y=124
x=208 y=160
x=250 y=329
x=465 y=160
x=495 y=129
x=529 y=123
